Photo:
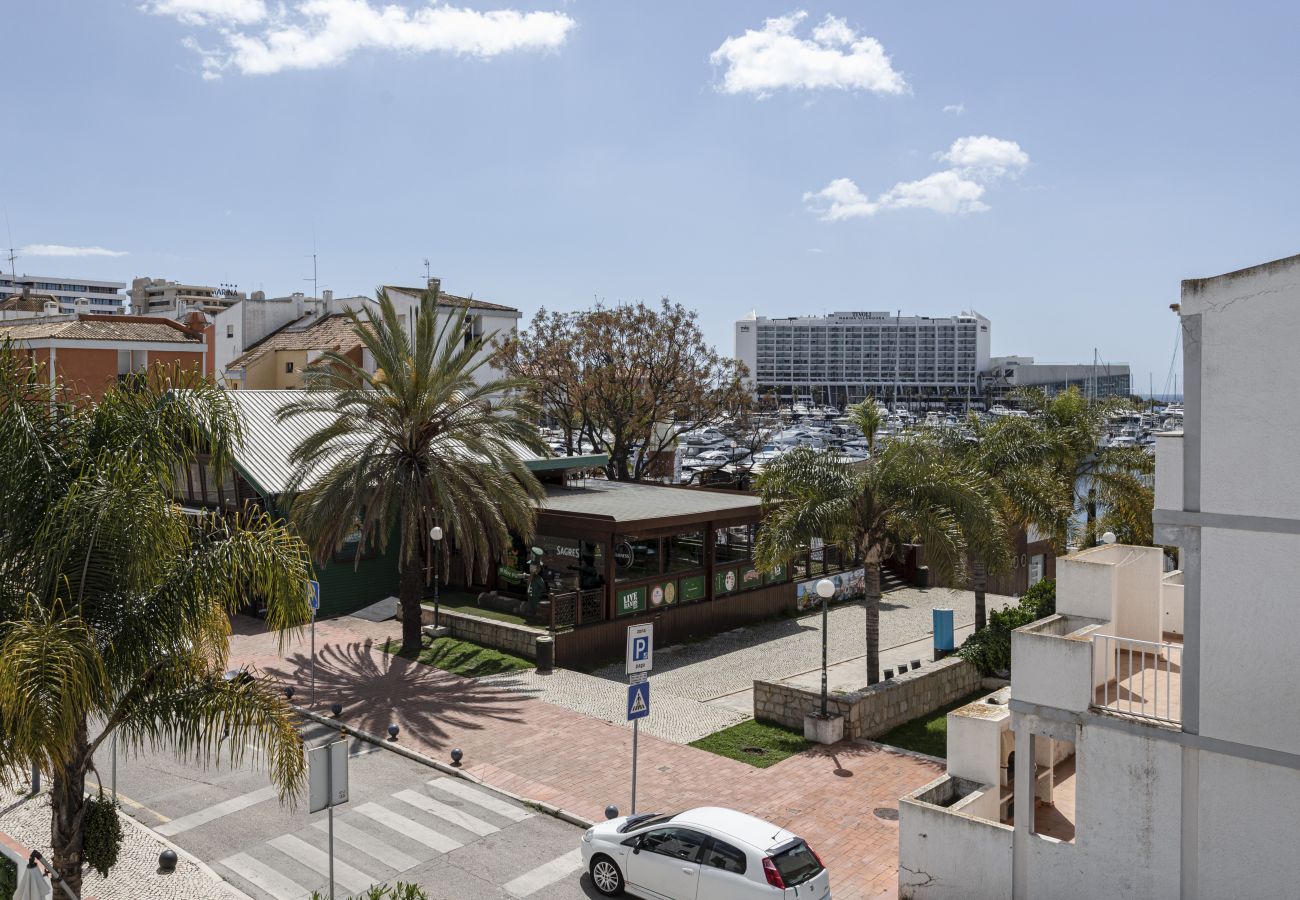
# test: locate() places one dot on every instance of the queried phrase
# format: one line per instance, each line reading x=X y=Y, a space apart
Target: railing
x=1138 y=678
x=577 y=608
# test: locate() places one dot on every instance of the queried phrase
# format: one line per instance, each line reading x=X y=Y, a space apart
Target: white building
x=160 y=297
x=846 y=356
x=1161 y=711
x=1007 y=373
x=492 y=321
x=101 y=297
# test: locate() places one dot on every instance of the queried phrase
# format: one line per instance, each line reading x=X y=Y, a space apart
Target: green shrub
x=8 y=878
x=989 y=649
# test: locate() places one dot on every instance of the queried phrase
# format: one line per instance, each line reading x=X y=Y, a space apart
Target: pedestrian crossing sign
x=638 y=701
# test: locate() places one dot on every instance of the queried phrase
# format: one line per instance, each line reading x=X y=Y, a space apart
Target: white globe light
x=436 y=532
x=1108 y=538
x=826 y=589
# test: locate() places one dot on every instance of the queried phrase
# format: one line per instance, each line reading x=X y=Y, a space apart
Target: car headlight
x=586 y=837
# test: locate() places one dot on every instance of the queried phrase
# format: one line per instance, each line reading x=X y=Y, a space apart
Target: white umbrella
x=32 y=884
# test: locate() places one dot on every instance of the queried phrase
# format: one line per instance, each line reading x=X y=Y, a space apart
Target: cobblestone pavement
x=135 y=876
x=687 y=677
x=551 y=754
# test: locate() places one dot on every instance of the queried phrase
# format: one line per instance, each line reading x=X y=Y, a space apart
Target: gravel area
x=687 y=676
x=135 y=877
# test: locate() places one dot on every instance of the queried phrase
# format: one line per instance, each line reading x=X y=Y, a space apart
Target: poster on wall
x=850 y=585
x=663 y=594
x=750 y=578
x=631 y=600
x=724 y=582
x=777 y=575
x=693 y=588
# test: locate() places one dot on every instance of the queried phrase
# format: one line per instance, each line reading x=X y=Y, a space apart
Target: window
x=725 y=857
x=571 y=564
x=679 y=843
x=733 y=544
x=635 y=557
x=288 y=368
x=230 y=331
x=684 y=551
x=797 y=864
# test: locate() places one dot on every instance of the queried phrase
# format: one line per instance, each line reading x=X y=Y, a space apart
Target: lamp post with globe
x=825 y=590
x=435 y=533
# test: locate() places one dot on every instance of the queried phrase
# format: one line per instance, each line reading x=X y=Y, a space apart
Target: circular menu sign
x=670 y=592
x=657 y=596
x=730 y=581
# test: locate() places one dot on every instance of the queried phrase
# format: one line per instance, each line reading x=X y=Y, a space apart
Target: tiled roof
x=329 y=333
x=445 y=299
x=268 y=443
x=107 y=328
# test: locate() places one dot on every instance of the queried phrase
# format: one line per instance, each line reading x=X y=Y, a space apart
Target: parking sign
x=640 y=648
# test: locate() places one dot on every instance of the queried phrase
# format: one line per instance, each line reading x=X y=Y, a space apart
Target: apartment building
x=103 y=297
x=158 y=296
x=88 y=353
x=844 y=357
x=1149 y=743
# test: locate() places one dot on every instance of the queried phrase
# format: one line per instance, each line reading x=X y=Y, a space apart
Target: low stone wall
x=520 y=640
x=874 y=710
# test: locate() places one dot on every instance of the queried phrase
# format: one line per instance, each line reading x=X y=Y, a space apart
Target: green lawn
x=756 y=743
x=465 y=603
x=927 y=734
x=464 y=658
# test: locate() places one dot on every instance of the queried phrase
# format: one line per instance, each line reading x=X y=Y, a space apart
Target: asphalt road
x=404 y=822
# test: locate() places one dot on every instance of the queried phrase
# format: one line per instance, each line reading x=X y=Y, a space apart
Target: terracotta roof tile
x=98 y=329
x=445 y=299
x=329 y=333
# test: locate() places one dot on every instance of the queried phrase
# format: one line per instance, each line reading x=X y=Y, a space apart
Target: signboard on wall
x=750 y=578
x=724 y=582
x=663 y=594
x=629 y=600
x=777 y=575
x=849 y=585
x=692 y=588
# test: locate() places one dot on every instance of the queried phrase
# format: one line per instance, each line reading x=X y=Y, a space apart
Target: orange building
x=89 y=353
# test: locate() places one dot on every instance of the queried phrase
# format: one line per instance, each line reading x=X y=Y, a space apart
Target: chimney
x=51 y=308
x=435 y=285
x=258 y=295
x=327 y=295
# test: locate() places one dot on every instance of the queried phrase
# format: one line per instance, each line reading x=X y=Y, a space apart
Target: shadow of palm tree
x=378 y=689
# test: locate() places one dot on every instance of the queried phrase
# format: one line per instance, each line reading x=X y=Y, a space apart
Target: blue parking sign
x=638 y=701
x=313 y=595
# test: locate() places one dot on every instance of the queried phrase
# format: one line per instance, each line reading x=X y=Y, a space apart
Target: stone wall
x=521 y=640
x=874 y=710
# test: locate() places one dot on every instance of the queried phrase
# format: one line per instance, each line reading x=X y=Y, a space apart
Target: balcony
x=1139 y=678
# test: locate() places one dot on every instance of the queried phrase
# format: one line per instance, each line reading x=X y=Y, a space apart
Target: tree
x=114 y=603
x=1013 y=454
x=909 y=491
x=630 y=379
x=417 y=443
x=1116 y=480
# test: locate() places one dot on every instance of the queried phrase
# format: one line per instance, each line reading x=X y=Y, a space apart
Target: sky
x=1057 y=167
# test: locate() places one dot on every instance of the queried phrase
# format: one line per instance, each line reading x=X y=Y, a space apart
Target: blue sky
x=556 y=153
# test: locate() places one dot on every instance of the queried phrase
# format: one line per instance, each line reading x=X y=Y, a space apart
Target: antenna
x=314 y=291
x=13 y=274
x=427 y=273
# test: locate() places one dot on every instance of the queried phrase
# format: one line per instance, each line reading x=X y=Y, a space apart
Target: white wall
x=1127 y=824
x=1051 y=670
x=1249 y=415
x=1171 y=602
x=1085 y=584
x=949 y=856
x=975 y=742
x=1248 y=829
x=1169 y=471
x=1138 y=577
x=1250 y=626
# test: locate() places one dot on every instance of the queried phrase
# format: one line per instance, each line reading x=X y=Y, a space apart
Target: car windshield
x=796 y=863
x=645 y=820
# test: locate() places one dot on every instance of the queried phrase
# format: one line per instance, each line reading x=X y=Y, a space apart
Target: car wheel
x=606 y=876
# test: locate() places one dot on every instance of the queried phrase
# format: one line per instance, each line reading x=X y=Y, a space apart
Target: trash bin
x=943 y=633
x=923 y=577
x=545 y=653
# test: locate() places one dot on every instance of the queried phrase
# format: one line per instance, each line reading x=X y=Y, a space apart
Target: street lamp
x=825 y=590
x=436 y=534
x=1108 y=538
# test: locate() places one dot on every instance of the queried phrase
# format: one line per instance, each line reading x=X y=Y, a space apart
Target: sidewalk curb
x=184 y=854
x=415 y=756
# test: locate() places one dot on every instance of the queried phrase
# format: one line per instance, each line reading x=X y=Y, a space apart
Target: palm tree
x=1118 y=480
x=114 y=603
x=417 y=443
x=1013 y=454
x=910 y=491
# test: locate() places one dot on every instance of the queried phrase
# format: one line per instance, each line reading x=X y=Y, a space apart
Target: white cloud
x=64 y=250
x=316 y=34
x=956 y=109
x=990 y=156
x=976 y=162
x=201 y=12
x=774 y=57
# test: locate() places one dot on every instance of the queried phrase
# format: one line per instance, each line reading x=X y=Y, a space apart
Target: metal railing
x=1138 y=678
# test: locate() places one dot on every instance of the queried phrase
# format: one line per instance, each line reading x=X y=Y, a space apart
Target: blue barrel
x=943 y=635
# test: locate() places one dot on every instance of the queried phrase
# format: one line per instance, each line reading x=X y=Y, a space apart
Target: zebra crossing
x=378 y=840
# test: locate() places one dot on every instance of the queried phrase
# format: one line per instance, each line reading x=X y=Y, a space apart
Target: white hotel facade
x=103 y=297
x=1149 y=743
x=843 y=357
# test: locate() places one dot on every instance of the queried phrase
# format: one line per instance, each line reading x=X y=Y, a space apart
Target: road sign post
x=640 y=660
x=327 y=776
x=313 y=597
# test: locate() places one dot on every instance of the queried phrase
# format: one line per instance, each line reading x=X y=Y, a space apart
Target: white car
x=702 y=854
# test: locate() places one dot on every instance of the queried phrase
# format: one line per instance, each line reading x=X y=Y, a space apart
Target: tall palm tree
x=1116 y=480
x=908 y=492
x=115 y=604
x=1013 y=454
x=419 y=442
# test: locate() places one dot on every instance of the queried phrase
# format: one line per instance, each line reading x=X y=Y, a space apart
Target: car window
x=797 y=864
x=725 y=857
x=679 y=843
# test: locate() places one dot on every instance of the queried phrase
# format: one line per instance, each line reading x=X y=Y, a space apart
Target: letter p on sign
x=640 y=648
